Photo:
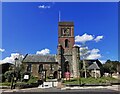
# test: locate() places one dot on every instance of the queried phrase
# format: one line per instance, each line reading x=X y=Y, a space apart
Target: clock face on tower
x=66 y=32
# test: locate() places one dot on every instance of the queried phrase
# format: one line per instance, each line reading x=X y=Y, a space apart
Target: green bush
x=32 y=79
x=5 y=83
x=8 y=76
x=3 y=78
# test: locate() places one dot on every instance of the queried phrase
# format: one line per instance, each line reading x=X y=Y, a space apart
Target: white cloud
x=43 y=52
x=84 y=38
x=85 y=53
x=98 y=38
x=8 y=60
x=94 y=51
x=44 y=6
x=94 y=54
x=2 y=50
x=11 y=58
x=103 y=61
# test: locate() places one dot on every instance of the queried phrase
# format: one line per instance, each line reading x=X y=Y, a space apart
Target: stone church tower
x=68 y=54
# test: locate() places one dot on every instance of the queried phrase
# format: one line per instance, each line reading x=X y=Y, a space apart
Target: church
x=66 y=60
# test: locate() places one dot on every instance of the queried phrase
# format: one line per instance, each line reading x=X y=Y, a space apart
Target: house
x=5 y=67
x=94 y=68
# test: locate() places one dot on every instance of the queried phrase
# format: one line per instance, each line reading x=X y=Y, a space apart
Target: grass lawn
x=5 y=84
x=32 y=80
x=9 y=83
x=91 y=80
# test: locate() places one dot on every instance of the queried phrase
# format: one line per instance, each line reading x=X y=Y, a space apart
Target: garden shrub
x=3 y=78
x=8 y=76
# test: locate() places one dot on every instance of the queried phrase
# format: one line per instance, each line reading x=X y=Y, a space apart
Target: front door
x=55 y=74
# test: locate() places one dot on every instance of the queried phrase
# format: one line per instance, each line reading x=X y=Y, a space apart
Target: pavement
x=115 y=88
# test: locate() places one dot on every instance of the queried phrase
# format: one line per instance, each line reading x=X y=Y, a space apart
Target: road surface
x=85 y=90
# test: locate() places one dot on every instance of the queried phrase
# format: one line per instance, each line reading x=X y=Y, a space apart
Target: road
x=104 y=90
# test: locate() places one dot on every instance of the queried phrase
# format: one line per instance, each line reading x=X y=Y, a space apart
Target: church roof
x=93 y=66
x=39 y=58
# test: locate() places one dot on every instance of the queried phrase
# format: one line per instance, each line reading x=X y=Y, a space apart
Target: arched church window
x=40 y=68
x=29 y=67
x=66 y=43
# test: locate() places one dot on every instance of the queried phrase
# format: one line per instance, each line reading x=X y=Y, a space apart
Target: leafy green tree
x=18 y=72
x=84 y=53
x=8 y=76
x=111 y=66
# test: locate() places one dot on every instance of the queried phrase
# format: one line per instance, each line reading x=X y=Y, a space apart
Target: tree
x=111 y=66
x=8 y=76
x=84 y=53
x=18 y=71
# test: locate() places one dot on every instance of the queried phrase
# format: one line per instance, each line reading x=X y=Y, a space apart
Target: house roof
x=93 y=66
x=3 y=63
x=89 y=62
x=39 y=58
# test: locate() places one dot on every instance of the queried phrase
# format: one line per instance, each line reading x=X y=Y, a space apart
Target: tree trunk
x=85 y=69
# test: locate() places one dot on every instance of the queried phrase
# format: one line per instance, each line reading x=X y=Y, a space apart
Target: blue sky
x=31 y=27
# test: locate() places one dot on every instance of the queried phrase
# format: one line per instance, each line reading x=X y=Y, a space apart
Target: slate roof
x=89 y=62
x=39 y=58
x=93 y=66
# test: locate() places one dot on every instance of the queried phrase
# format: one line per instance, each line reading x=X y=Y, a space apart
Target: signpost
x=26 y=77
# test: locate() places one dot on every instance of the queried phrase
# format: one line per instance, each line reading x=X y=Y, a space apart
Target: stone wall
x=95 y=73
x=75 y=62
x=35 y=68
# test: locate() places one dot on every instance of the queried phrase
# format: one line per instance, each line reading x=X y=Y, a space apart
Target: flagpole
x=59 y=16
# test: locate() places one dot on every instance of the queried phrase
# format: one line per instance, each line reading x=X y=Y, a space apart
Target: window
x=66 y=43
x=51 y=67
x=40 y=68
x=29 y=68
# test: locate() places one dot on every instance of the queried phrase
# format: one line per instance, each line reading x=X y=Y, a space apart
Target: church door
x=66 y=66
x=55 y=74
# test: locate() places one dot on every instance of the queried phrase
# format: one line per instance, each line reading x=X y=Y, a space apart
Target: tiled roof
x=93 y=66
x=39 y=58
x=89 y=62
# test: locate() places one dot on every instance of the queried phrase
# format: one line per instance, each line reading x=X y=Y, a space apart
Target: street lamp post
x=14 y=78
